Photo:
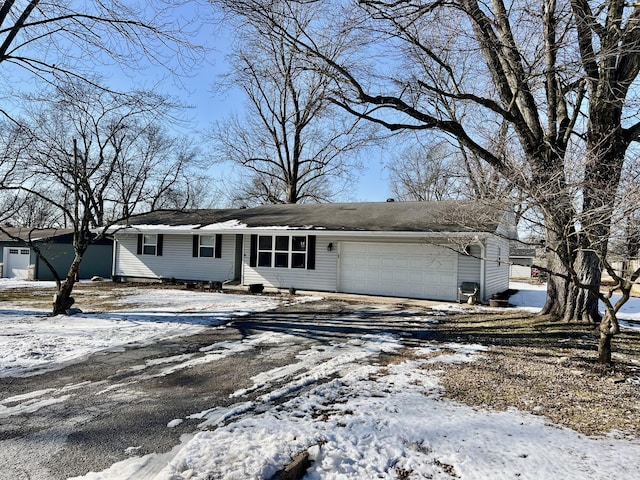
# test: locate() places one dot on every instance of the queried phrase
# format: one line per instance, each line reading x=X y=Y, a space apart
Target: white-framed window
x=149 y=244
x=282 y=251
x=24 y=251
x=14 y=251
x=206 y=245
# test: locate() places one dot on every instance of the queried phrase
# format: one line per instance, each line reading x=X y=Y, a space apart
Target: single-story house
x=408 y=249
x=20 y=261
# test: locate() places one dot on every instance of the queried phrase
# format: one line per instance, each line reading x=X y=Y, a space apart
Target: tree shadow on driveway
x=331 y=321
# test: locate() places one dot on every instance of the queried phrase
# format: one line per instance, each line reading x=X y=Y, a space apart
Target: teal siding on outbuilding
x=57 y=247
x=97 y=261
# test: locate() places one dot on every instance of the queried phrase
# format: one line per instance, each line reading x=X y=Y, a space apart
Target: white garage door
x=403 y=270
x=17 y=263
x=520 y=271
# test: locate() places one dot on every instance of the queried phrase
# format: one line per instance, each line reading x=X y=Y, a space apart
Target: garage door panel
x=387 y=262
x=413 y=270
x=17 y=263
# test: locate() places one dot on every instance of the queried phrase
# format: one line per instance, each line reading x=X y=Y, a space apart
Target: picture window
x=282 y=251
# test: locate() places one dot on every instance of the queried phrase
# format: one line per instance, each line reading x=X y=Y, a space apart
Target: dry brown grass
x=546 y=368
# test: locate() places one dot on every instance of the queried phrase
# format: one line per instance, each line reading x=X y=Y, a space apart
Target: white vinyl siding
x=322 y=278
x=520 y=267
x=177 y=260
x=496 y=266
x=470 y=266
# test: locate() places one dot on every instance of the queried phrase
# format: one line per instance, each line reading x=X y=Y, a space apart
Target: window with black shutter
x=282 y=251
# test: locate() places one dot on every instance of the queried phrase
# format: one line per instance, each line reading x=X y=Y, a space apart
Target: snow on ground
x=380 y=422
x=531 y=298
x=356 y=419
x=33 y=343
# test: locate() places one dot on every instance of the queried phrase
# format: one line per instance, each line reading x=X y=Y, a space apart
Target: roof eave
x=185 y=230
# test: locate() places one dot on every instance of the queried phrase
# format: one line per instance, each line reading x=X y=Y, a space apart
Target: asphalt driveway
x=112 y=406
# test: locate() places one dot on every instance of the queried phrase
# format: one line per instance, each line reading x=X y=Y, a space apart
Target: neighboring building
x=20 y=261
x=521 y=259
x=406 y=249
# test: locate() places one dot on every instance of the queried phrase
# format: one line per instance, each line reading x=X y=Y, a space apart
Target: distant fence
x=632 y=266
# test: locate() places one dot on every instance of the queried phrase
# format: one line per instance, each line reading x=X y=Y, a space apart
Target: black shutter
x=196 y=246
x=139 y=244
x=218 y=253
x=311 y=252
x=159 y=247
x=253 y=251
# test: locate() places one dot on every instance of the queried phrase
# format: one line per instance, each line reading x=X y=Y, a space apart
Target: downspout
x=483 y=280
x=243 y=262
x=114 y=256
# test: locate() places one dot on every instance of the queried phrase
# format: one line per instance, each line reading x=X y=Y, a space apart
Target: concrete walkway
x=350 y=297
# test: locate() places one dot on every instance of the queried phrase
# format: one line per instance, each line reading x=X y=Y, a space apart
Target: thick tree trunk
x=582 y=305
x=569 y=303
x=566 y=301
x=557 y=288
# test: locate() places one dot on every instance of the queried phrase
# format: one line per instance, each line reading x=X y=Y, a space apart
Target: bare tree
x=82 y=141
x=292 y=145
x=621 y=263
x=151 y=170
x=440 y=170
x=558 y=79
x=48 y=41
x=424 y=173
x=12 y=143
x=32 y=211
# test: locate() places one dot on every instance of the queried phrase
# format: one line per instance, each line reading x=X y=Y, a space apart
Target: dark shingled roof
x=49 y=235
x=26 y=233
x=445 y=216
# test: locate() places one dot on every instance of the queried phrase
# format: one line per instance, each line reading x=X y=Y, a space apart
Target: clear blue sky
x=196 y=90
x=209 y=106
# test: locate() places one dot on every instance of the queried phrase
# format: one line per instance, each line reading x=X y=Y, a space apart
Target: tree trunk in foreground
x=63 y=300
x=608 y=328
x=582 y=305
x=565 y=301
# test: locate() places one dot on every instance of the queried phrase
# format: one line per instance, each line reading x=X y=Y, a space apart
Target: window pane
x=264 y=242
x=206 y=251
x=264 y=259
x=282 y=260
x=149 y=250
x=282 y=243
x=207 y=241
x=298 y=260
x=150 y=239
x=299 y=244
